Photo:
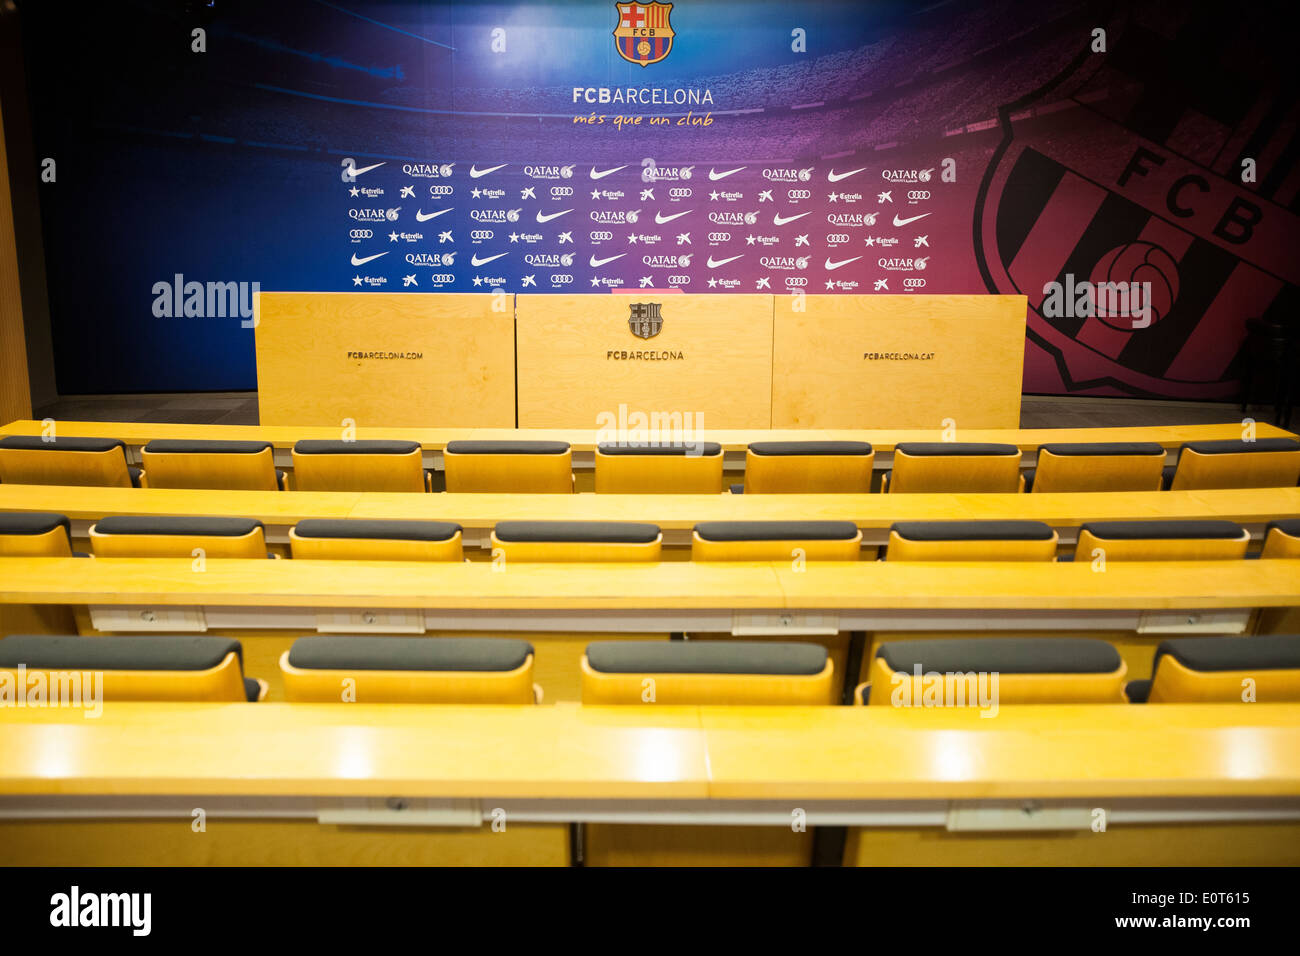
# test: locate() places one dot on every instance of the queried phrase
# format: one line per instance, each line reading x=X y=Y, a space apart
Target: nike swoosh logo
x=362 y=262
x=832 y=266
x=661 y=218
x=600 y=262
x=779 y=220
x=364 y=169
x=604 y=173
x=904 y=222
x=715 y=176
x=421 y=216
x=548 y=216
x=835 y=177
x=475 y=172
x=475 y=260
x=714 y=263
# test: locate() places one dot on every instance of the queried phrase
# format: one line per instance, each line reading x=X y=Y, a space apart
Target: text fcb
x=645 y=320
x=643 y=35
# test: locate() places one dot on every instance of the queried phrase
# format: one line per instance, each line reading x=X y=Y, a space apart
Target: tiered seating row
x=546 y=467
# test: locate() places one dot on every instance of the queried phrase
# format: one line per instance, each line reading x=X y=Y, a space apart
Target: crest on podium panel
x=646 y=321
x=643 y=35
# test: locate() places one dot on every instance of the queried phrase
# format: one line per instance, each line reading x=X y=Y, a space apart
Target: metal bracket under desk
x=1013 y=815
x=124 y=618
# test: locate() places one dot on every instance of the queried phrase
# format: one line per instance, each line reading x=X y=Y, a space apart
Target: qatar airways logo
x=667 y=262
x=788 y=175
x=851 y=220
x=903 y=265
x=733 y=218
x=549 y=260
x=494 y=215
x=431 y=259
x=906 y=175
x=428 y=170
x=615 y=216
x=650 y=173
x=548 y=172
x=374 y=215
x=788 y=263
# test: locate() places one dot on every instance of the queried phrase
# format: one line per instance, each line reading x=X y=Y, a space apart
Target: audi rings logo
x=914 y=194
x=361 y=233
x=679 y=280
x=680 y=192
x=561 y=278
x=601 y=236
x=793 y=281
x=441 y=190
x=442 y=278
x=837 y=237
x=559 y=192
x=480 y=234
x=719 y=237
x=913 y=283
x=799 y=193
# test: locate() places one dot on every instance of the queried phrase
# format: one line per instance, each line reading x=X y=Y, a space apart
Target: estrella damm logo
x=643 y=35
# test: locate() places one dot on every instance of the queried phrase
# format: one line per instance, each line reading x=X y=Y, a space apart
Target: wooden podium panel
x=898 y=361
x=577 y=358
x=388 y=359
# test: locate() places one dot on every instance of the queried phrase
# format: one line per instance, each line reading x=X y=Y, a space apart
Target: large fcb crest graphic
x=643 y=35
x=1098 y=181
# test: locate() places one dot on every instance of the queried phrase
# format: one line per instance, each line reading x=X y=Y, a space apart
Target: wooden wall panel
x=318 y=359
x=572 y=369
x=15 y=390
x=898 y=361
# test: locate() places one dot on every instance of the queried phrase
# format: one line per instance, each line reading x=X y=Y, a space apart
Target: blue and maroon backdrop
x=715 y=147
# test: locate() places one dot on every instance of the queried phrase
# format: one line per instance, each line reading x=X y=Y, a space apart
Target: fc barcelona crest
x=643 y=35
x=645 y=320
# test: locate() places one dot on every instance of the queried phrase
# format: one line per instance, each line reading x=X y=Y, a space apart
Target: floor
x=240 y=408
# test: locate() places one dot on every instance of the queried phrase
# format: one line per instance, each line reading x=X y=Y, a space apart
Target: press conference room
x=687 y=435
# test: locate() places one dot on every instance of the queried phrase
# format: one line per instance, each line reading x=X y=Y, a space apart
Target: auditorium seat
x=1262 y=669
x=409 y=670
x=808 y=467
x=156 y=667
x=509 y=467
x=359 y=466
x=1265 y=463
x=992 y=671
x=706 y=672
x=35 y=534
x=1099 y=466
x=602 y=541
x=665 y=469
x=1162 y=540
x=359 y=539
x=954 y=467
x=1282 y=539
x=148 y=536
x=971 y=541
x=31 y=460
x=227 y=465
x=775 y=540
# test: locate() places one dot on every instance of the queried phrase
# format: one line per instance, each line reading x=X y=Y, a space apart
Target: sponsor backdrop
x=700 y=145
